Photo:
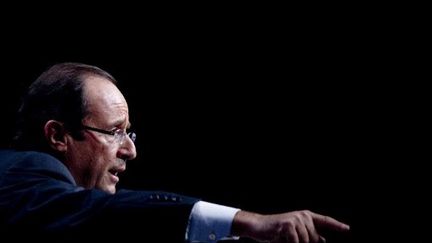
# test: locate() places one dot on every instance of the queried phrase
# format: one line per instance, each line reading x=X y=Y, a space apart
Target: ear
x=55 y=134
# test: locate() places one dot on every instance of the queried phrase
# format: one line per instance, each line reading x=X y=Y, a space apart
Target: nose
x=127 y=149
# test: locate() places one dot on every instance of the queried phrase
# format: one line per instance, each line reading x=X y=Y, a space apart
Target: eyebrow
x=118 y=122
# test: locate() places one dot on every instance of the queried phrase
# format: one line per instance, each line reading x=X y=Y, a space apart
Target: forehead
x=104 y=100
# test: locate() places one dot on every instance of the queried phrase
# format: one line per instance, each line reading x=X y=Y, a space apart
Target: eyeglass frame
x=117 y=132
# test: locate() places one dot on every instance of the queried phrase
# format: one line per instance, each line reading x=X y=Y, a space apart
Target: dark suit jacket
x=39 y=198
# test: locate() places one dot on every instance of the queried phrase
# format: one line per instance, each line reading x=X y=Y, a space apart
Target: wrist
x=245 y=224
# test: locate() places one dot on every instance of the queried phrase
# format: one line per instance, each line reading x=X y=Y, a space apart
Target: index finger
x=329 y=222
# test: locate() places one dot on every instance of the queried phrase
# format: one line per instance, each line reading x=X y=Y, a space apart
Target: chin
x=111 y=189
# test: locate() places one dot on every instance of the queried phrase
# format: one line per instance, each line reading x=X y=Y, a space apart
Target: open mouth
x=113 y=171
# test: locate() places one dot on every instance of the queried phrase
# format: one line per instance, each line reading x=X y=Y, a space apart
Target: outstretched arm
x=297 y=226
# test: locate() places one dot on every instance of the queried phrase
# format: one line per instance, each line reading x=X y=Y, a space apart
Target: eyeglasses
x=119 y=134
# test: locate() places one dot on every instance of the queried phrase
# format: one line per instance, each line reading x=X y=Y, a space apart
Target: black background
x=248 y=118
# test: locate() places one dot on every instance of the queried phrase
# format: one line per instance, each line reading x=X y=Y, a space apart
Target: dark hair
x=56 y=94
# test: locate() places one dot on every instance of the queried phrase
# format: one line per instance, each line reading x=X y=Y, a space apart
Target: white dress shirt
x=209 y=222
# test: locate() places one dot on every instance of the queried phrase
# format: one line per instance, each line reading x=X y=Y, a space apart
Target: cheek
x=103 y=158
x=92 y=159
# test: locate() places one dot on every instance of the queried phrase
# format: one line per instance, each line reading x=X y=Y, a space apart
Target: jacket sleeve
x=38 y=195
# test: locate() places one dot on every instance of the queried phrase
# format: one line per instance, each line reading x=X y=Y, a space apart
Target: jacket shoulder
x=22 y=163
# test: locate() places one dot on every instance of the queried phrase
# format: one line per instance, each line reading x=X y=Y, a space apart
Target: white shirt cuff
x=209 y=222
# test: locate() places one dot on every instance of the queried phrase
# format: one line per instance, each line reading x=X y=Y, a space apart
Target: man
x=60 y=180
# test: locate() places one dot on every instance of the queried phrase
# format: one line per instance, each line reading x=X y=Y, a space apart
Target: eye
x=116 y=131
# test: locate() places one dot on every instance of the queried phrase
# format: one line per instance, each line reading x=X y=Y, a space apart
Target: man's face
x=96 y=161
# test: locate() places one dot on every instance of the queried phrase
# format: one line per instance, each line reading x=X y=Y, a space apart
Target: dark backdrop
x=269 y=127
